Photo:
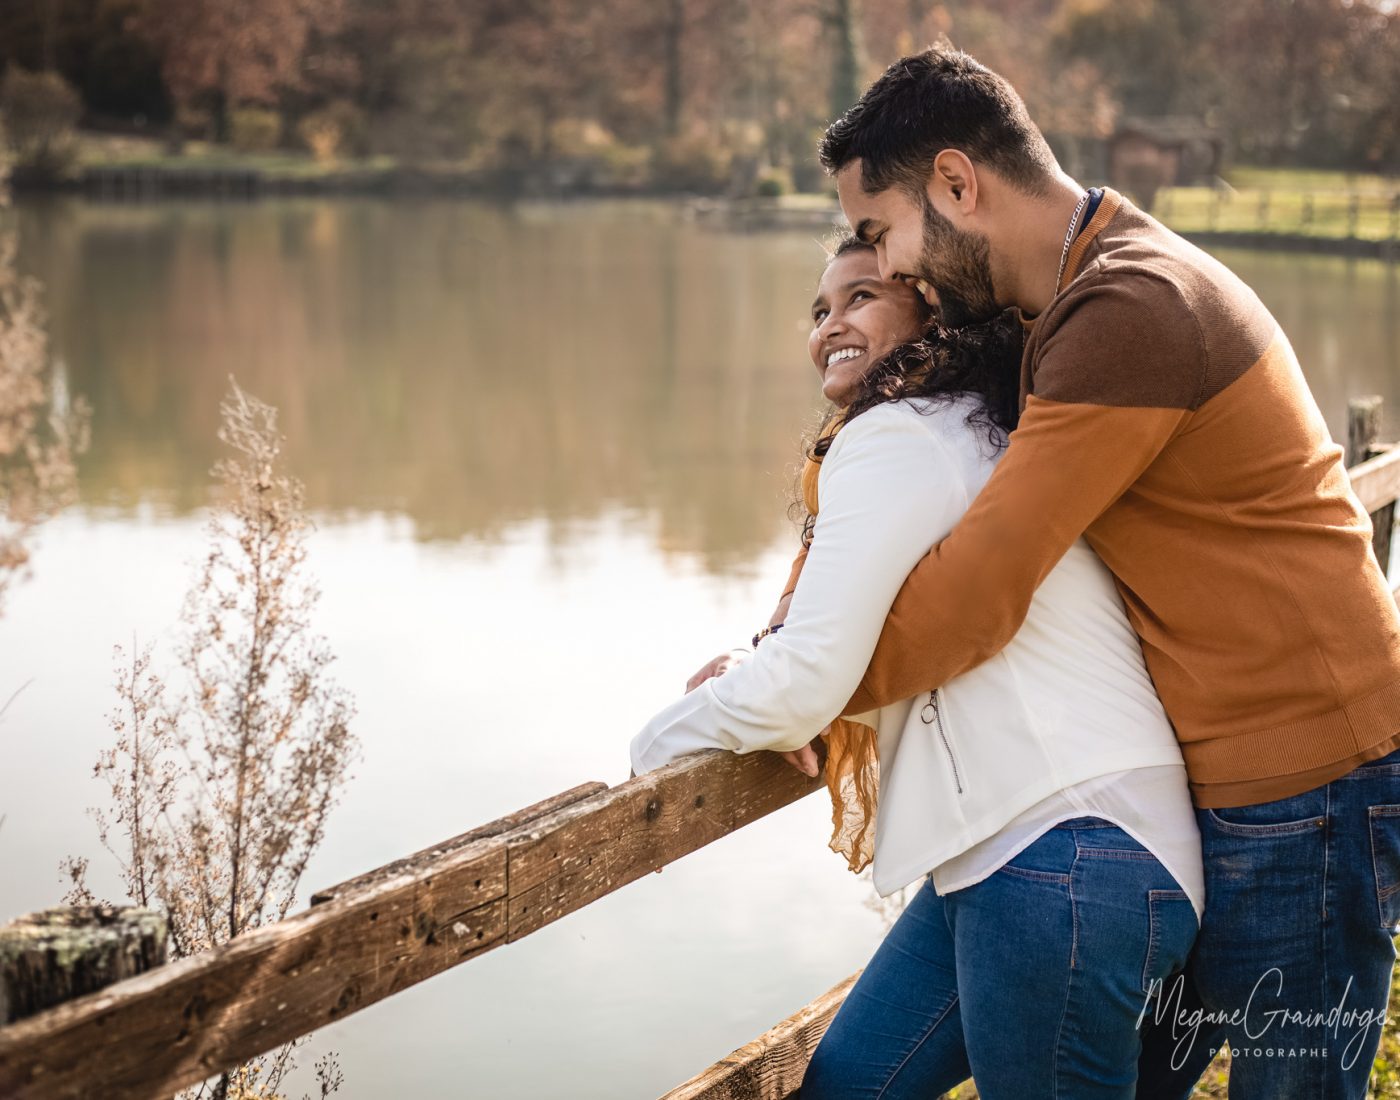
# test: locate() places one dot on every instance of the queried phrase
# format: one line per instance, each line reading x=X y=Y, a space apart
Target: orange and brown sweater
x=1166 y=420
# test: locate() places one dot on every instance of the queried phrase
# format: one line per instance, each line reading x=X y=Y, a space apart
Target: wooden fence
x=378 y=934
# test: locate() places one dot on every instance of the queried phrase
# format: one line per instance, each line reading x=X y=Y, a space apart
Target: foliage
x=254 y=129
x=1310 y=82
x=221 y=784
x=38 y=112
x=214 y=55
x=692 y=163
x=773 y=183
x=333 y=131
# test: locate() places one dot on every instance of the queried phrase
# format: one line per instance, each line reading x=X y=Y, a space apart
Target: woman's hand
x=717 y=667
x=805 y=759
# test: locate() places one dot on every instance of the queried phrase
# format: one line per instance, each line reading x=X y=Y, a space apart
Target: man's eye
x=859 y=294
x=818 y=316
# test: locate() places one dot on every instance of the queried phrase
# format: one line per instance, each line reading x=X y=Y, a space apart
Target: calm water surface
x=549 y=450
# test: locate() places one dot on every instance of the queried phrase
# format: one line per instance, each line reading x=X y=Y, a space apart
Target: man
x=1165 y=420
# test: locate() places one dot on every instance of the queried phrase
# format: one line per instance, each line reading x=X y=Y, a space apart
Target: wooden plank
x=1377 y=480
x=481 y=832
x=561 y=864
x=186 y=1021
x=379 y=934
x=770 y=1067
x=1363 y=427
x=1363 y=443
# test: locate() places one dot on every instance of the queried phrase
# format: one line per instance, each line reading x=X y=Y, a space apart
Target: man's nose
x=882 y=263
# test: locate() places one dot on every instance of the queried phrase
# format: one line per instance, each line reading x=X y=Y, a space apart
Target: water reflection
x=464 y=364
x=471 y=365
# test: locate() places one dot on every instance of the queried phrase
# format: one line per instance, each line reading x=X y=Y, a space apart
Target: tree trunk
x=675 y=28
x=844 y=22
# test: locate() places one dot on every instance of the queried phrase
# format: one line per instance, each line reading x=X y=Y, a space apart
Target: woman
x=1041 y=793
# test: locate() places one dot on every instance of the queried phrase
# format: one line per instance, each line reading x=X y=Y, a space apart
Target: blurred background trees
x=701 y=95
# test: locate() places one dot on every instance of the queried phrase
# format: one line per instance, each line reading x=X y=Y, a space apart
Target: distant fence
x=1357 y=222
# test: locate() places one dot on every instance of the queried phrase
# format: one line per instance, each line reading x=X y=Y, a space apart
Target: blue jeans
x=1032 y=981
x=1293 y=962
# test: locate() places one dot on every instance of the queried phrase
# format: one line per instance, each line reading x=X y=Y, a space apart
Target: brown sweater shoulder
x=1149 y=320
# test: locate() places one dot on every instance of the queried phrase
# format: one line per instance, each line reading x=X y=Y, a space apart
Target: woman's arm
x=889 y=491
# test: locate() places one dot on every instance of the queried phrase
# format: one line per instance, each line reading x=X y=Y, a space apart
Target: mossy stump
x=56 y=955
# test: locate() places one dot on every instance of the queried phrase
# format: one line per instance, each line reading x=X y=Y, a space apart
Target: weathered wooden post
x=1353 y=215
x=56 y=955
x=1363 y=435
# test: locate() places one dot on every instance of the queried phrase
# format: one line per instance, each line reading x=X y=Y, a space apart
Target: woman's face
x=857 y=319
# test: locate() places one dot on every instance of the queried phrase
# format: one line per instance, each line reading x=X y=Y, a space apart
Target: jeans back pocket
x=1385 y=864
x=1171 y=930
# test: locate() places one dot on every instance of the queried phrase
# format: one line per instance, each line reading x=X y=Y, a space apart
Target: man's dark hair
x=931 y=101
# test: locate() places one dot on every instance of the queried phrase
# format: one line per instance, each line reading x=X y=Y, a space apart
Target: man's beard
x=959 y=268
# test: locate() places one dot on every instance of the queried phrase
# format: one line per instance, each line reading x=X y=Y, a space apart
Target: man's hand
x=718 y=667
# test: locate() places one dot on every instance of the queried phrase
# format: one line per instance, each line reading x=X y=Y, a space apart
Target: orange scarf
x=852 y=764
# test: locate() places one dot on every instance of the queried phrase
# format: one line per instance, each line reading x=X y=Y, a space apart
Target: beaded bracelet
x=767 y=630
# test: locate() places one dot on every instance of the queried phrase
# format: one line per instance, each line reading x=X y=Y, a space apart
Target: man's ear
x=953 y=183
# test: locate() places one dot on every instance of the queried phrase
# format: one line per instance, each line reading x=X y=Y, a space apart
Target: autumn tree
x=216 y=55
x=1154 y=55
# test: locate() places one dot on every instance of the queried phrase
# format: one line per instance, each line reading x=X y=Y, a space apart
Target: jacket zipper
x=932 y=714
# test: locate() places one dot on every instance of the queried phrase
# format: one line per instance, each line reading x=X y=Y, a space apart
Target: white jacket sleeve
x=889 y=490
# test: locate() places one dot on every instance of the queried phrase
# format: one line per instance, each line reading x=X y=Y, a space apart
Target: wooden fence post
x=1353 y=215
x=56 y=955
x=1363 y=435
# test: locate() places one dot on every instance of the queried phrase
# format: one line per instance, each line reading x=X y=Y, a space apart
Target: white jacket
x=1068 y=699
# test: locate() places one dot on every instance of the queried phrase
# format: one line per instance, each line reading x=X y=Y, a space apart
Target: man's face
x=914 y=241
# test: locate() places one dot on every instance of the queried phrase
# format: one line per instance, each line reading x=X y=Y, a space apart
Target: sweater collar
x=1109 y=205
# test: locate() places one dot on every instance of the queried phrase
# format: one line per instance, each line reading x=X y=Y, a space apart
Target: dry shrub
x=221 y=781
x=334 y=131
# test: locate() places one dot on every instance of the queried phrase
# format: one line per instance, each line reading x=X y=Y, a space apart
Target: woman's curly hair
x=981 y=360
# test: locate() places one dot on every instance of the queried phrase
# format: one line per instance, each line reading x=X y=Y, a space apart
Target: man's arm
x=1114 y=384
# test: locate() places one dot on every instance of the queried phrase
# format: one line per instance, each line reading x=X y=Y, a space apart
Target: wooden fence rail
x=382 y=932
x=374 y=936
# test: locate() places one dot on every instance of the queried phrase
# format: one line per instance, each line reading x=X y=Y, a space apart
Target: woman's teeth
x=844 y=353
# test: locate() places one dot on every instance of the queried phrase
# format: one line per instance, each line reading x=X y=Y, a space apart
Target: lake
x=549 y=450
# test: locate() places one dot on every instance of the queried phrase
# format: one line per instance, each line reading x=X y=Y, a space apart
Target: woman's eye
x=859 y=294
x=818 y=316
